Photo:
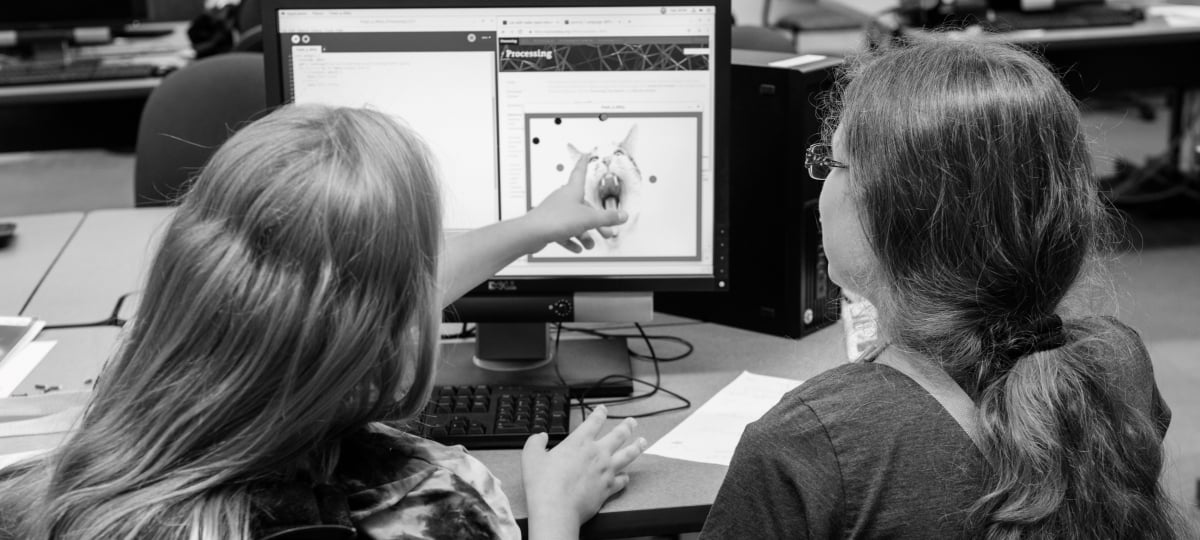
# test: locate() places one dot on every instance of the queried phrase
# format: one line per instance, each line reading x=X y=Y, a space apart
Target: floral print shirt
x=394 y=485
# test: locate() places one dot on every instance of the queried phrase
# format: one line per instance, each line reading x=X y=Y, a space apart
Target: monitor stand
x=524 y=354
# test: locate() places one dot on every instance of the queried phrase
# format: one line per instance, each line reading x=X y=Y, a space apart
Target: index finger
x=580 y=170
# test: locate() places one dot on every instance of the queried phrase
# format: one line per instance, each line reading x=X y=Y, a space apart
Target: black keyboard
x=20 y=73
x=484 y=417
x=1074 y=17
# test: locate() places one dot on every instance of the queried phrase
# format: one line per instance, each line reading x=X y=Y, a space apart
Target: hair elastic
x=1046 y=333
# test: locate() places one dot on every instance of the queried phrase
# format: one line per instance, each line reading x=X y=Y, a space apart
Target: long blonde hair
x=292 y=302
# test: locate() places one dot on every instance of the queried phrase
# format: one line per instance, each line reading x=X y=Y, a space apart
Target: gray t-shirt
x=862 y=451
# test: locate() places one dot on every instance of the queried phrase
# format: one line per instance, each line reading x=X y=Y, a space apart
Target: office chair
x=759 y=39
x=249 y=15
x=188 y=116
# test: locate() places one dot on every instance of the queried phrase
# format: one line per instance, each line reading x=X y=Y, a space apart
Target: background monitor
x=507 y=94
x=53 y=24
x=70 y=13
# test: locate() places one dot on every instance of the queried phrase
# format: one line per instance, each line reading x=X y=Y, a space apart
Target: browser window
x=509 y=99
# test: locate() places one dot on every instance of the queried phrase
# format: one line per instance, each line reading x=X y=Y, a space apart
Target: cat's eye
x=593 y=158
x=618 y=152
x=819 y=160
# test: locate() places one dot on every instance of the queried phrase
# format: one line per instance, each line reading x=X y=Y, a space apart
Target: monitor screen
x=507 y=97
x=70 y=13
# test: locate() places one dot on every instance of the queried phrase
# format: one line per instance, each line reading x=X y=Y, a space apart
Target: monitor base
x=581 y=362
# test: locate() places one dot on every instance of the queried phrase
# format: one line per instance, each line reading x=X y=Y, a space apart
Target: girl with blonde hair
x=289 y=321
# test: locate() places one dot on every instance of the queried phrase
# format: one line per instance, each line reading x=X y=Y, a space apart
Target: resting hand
x=564 y=217
x=566 y=486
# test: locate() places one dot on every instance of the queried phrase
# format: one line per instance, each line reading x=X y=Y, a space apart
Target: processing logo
x=543 y=54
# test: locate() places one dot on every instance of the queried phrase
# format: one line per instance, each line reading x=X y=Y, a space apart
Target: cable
x=634 y=354
x=586 y=406
x=462 y=334
x=113 y=319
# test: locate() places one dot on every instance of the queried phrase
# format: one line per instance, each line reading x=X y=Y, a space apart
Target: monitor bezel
x=719 y=280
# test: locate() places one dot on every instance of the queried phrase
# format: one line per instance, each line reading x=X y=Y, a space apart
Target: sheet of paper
x=17 y=368
x=711 y=434
x=797 y=61
x=1176 y=14
x=9 y=459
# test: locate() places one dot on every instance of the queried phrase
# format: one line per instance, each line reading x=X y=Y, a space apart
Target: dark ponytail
x=972 y=175
x=1073 y=437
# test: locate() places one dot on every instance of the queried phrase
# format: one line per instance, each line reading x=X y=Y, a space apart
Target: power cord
x=687 y=345
x=586 y=406
x=113 y=319
x=464 y=333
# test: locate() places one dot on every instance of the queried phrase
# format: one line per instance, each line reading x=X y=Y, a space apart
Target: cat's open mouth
x=608 y=191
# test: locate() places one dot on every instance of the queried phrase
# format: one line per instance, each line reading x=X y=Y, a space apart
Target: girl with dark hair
x=289 y=321
x=958 y=198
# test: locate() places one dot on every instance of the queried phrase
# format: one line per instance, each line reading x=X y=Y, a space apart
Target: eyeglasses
x=819 y=161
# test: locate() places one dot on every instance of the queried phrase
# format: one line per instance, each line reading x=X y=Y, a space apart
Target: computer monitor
x=507 y=94
x=46 y=27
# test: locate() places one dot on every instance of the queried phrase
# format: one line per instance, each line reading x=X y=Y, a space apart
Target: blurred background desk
x=1119 y=64
x=1154 y=53
x=94 y=113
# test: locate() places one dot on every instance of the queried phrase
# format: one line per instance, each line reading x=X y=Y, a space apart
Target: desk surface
x=669 y=496
x=26 y=260
x=74 y=362
x=106 y=258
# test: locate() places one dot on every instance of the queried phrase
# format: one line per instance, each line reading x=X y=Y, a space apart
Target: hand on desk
x=567 y=485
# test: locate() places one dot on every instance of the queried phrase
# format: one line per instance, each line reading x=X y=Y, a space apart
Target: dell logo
x=505 y=285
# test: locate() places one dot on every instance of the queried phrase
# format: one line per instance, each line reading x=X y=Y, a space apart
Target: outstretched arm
x=471 y=257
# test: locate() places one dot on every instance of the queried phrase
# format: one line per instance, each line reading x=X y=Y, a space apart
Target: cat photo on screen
x=613 y=181
x=646 y=164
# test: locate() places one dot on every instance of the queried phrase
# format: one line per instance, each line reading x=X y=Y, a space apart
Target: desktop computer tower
x=778 y=282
